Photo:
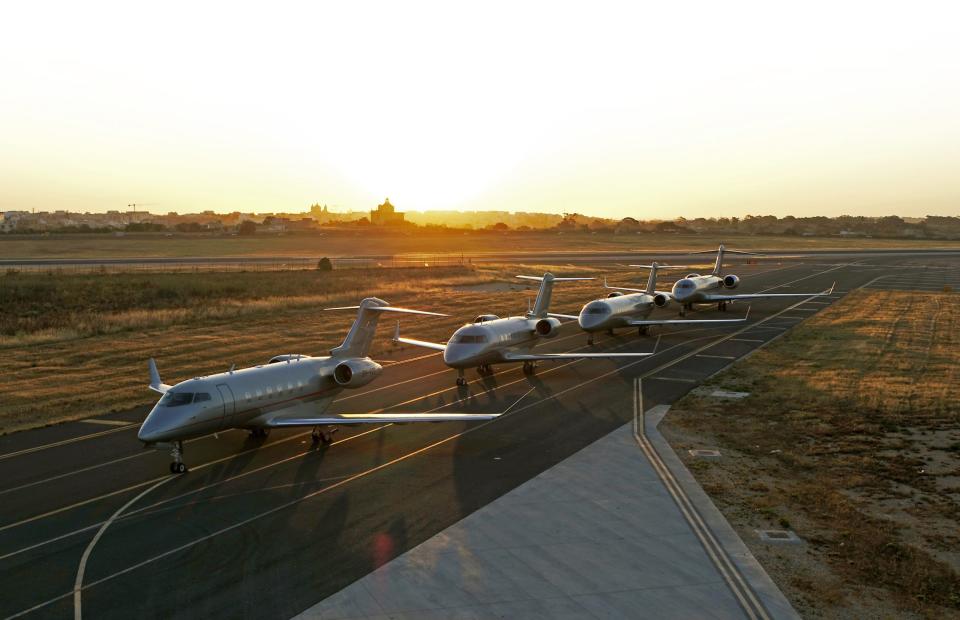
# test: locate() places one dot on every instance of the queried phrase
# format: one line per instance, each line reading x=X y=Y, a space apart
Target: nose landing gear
x=529 y=367
x=485 y=370
x=461 y=380
x=177 y=466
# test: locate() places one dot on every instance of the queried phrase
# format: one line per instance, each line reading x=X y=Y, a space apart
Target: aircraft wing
x=532 y=357
x=711 y=298
x=380 y=418
x=642 y=322
x=155 y=383
x=569 y=317
x=436 y=346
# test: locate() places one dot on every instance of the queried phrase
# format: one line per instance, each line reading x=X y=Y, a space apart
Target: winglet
x=155 y=384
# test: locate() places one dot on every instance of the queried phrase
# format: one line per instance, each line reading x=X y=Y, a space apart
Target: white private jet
x=696 y=289
x=632 y=308
x=491 y=340
x=287 y=391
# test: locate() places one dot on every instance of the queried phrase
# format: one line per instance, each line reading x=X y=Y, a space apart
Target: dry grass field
x=76 y=345
x=345 y=243
x=850 y=437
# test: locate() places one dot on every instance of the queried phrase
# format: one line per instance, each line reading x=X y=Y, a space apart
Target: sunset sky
x=652 y=110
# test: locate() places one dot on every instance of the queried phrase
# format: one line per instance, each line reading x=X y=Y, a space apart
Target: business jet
x=697 y=289
x=631 y=307
x=490 y=339
x=290 y=390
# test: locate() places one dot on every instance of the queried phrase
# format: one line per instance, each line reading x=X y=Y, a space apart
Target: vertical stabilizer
x=718 y=266
x=358 y=340
x=542 y=306
x=652 y=280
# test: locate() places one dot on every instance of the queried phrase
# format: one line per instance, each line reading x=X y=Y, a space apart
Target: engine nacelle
x=356 y=373
x=548 y=328
x=660 y=300
x=730 y=281
x=693 y=275
x=615 y=294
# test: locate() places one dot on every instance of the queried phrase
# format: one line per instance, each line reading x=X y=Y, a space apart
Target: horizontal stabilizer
x=622 y=288
x=389 y=309
x=569 y=317
x=659 y=266
x=381 y=418
x=554 y=278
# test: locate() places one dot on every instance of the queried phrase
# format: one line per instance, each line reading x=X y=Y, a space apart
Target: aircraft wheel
x=461 y=381
x=178 y=468
x=528 y=368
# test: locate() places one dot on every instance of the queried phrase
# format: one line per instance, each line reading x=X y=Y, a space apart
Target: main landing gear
x=260 y=432
x=177 y=466
x=643 y=330
x=529 y=367
x=722 y=306
x=323 y=435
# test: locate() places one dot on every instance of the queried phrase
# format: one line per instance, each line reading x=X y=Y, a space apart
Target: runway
x=268 y=528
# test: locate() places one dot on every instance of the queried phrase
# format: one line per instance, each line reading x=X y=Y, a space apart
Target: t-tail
x=718 y=266
x=541 y=307
x=360 y=337
x=652 y=280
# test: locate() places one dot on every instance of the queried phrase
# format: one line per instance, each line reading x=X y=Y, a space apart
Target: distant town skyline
x=624 y=109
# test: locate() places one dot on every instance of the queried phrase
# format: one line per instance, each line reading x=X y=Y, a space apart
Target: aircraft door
x=229 y=405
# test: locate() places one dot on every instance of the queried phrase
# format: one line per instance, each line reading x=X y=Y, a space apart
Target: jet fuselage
x=237 y=399
x=614 y=312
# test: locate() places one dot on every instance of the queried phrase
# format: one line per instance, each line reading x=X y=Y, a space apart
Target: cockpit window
x=598 y=310
x=471 y=338
x=686 y=284
x=177 y=399
x=201 y=396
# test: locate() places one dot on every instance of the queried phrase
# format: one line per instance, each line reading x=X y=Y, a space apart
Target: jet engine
x=661 y=300
x=356 y=372
x=547 y=328
x=731 y=281
x=693 y=275
x=615 y=294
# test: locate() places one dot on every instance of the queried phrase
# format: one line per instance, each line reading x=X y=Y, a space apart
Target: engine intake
x=356 y=373
x=547 y=328
x=731 y=281
x=660 y=300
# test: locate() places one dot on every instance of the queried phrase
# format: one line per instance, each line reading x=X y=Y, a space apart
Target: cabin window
x=201 y=396
x=279 y=390
x=471 y=338
x=259 y=394
x=176 y=399
x=248 y=396
x=290 y=388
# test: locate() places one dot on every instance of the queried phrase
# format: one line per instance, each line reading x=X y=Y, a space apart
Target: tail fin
x=718 y=266
x=652 y=280
x=542 y=306
x=358 y=340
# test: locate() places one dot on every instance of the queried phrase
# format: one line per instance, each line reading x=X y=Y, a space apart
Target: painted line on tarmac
x=745 y=340
x=678 y=379
x=104 y=422
x=744 y=594
x=409 y=455
x=717 y=357
x=63 y=442
x=191 y=492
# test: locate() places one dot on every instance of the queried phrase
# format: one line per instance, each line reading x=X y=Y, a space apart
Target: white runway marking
x=105 y=422
x=717 y=357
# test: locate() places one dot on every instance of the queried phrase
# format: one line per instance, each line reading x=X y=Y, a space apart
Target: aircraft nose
x=588 y=321
x=152 y=428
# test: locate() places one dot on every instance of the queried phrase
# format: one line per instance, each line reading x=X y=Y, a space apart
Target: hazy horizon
x=648 y=111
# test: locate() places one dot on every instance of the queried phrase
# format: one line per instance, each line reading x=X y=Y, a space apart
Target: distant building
x=385 y=215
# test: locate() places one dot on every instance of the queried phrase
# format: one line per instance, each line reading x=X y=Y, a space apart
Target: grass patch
x=848 y=435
